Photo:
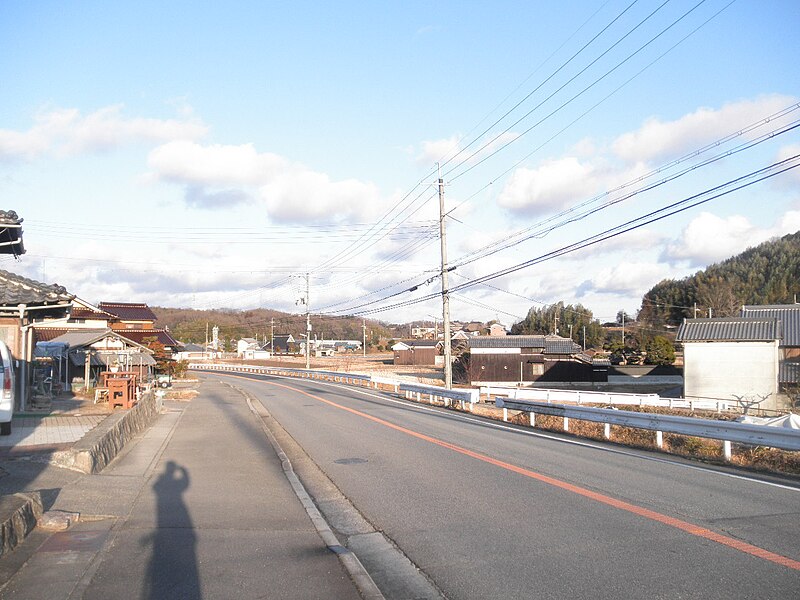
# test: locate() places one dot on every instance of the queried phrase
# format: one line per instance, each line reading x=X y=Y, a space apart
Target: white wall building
x=733 y=358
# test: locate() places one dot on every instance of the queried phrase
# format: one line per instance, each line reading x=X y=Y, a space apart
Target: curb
x=364 y=582
x=20 y=513
x=24 y=511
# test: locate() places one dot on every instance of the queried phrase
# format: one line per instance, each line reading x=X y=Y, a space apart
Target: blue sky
x=205 y=155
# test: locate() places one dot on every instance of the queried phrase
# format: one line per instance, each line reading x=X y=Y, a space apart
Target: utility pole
x=584 y=337
x=364 y=330
x=623 y=329
x=448 y=351
x=308 y=326
x=272 y=335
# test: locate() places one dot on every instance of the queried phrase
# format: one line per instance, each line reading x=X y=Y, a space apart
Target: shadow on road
x=172 y=572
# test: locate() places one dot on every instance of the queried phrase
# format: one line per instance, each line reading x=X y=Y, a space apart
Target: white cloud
x=438 y=150
x=659 y=140
x=708 y=239
x=190 y=162
x=222 y=175
x=625 y=278
x=551 y=186
x=65 y=132
x=441 y=150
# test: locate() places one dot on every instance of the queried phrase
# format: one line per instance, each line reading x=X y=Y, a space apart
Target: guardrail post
x=505 y=414
x=532 y=417
x=660 y=439
x=607 y=431
x=566 y=423
x=726 y=448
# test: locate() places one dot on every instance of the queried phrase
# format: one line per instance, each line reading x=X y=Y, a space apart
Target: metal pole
x=364 y=329
x=448 y=364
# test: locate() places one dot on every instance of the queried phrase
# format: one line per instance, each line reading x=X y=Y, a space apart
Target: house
x=415 y=352
x=282 y=344
x=789 y=316
x=136 y=320
x=524 y=359
x=244 y=345
x=735 y=358
x=24 y=305
x=189 y=352
x=497 y=329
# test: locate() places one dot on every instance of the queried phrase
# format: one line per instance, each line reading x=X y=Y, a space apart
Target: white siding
x=723 y=370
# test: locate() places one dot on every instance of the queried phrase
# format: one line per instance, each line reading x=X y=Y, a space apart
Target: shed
x=731 y=358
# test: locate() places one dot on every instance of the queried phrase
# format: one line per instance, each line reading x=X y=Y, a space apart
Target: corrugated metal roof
x=788 y=372
x=788 y=314
x=730 y=329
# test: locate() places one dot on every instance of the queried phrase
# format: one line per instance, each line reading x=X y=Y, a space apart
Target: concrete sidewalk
x=197 y=507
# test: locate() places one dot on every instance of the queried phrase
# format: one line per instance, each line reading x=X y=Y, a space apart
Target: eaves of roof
x=16 y=290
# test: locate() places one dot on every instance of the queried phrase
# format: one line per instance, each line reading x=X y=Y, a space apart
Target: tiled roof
x=139 y=335
x=508 y=341
x=128 y=311
x=10 y=233
x=45 y=334
x=549 y=344
x=789 y=315
x=730 y=329
x=15 y=290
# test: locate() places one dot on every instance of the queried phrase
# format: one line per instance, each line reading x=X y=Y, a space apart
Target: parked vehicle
x=7 y=389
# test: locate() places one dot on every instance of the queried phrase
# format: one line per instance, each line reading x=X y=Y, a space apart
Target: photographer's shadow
x=172 y=572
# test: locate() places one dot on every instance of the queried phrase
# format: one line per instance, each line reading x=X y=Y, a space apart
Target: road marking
x=685 y=526
x=486 y=422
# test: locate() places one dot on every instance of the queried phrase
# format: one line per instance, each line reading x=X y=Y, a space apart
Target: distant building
x=526 y=359
x=415 y=352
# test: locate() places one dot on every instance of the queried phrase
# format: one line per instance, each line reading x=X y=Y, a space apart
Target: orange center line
x=685 y=526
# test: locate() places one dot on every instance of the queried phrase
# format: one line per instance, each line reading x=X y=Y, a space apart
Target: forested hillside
x=766 y=274
x=188 y=325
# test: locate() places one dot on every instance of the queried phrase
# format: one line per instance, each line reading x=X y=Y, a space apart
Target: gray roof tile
x=15 y=290
x=730 y=329
x=788 y=314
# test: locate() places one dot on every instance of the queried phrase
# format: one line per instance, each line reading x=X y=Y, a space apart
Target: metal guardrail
x=619 y=399
x=727 y=431
x=304 y=373
x=433 y=392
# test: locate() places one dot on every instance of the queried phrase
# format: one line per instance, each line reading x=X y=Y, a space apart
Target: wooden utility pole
x=308 y=326
x=448 y=351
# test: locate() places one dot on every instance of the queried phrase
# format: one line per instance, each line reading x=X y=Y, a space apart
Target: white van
x=6 y=389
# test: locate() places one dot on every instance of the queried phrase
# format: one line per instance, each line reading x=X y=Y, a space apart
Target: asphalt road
x=488 y=510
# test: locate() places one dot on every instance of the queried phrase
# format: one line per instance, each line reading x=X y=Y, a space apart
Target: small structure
x=24 y=304
x=734 y=358
x=415 y=352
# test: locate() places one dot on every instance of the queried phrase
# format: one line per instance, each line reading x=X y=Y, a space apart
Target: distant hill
x=766 y=274
x=189 y=325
